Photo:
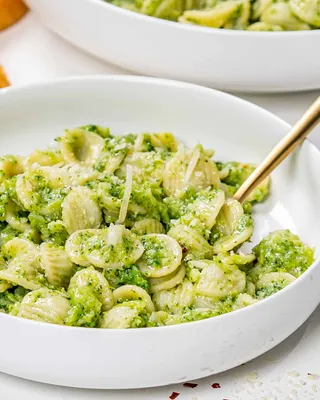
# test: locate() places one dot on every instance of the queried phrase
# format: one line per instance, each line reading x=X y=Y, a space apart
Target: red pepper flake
x=174 y=395
x=190 y=385
x=216 y=386
x=184 y=250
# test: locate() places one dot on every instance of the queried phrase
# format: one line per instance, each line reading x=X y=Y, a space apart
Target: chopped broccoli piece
x=281 y=250
x=126 y=276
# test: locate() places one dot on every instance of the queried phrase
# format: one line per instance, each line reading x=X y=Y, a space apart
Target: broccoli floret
x=281 y=250
x=126 y=276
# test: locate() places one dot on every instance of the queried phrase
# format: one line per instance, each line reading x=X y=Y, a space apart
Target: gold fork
x=296 y=135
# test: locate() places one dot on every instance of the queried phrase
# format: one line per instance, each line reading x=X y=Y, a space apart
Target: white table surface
x=29 y=53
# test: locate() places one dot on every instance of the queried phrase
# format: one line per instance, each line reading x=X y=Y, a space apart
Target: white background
x=29 y=53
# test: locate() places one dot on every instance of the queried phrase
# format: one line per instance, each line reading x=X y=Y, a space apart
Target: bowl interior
x=32 y=117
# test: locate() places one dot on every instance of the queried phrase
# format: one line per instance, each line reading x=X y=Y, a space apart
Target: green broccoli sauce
x=145 y=196
x=190 y=315
x=280 y=251
x=7 y=234
x=85 y=308
x=126 y=276
x=270 y=289
x=176 y=207
x=141 y=321
x=237 y=174
x=11 y=298
x=244 y=222
x=9 y=193
x=283 y=251
x=154 y=252
x=51 y=231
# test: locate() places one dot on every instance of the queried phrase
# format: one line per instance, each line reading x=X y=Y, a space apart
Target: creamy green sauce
x=187 y=266
x=255 y=15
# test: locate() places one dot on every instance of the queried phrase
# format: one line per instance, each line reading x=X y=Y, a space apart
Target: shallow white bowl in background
x=223 y=59
x=31 y=116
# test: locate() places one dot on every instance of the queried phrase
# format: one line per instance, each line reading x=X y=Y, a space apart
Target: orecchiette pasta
x=22 y=273
x=132 y=292
x=220 y=280
x=162 y=255
x=119 y=317
x=81 y=146
x=168 y=281
x=21 y=224
x=174 y=299
x=147 y=226
x=45 y=306
x=189 y=169
x=111 y=247
x=56 y=264
x=95 y=281
x=192 y=242
x=306 y=10
x=135 y=231
x=10 y=166
x=232 y=14
x=80 y=211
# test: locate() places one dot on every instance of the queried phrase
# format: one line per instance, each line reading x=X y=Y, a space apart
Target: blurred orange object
x=10 y=12
x=4 y=82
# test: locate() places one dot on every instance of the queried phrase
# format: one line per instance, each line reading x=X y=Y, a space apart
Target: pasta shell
x=189 y=169
x=81 y=146
x=113 y=247
x=11 y=166
x=56 y=264
x=175 y=299
x=45 y=306
x=191 y=241
x=119 y=317
x=80 y=211
x=220 y=280
x=20 y=224
x=169 y=281
x=162 y=255
x=280 y=14
x=214 y=17
x=147 y=226
x=133 y=292
x=21 y=273
x=94 y=279
x=307 y=11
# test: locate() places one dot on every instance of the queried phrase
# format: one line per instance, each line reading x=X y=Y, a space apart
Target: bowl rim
x=15 y=90
x=201 y=29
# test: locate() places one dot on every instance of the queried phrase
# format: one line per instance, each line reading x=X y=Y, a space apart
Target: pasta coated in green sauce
x=254 y=15
x=135 y=231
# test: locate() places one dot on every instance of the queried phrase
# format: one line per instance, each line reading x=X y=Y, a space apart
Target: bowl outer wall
x=228 y=60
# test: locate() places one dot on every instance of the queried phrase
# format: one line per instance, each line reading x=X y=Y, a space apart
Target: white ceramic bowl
x=224 y=59
x=30 y=117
